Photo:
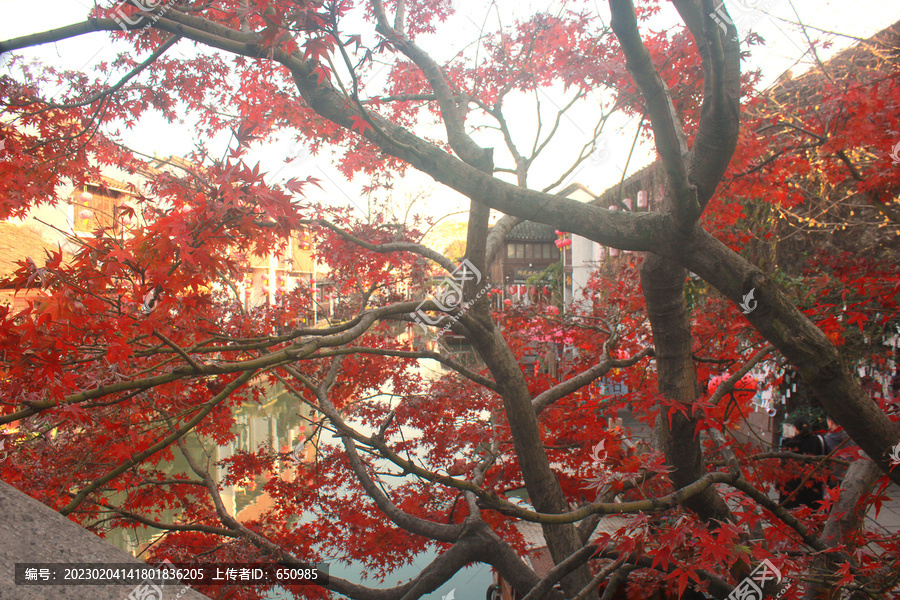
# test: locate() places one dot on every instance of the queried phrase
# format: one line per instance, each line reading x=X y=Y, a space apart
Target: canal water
x=281 y=422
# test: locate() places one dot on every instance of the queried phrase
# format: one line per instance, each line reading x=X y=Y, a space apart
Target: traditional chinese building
x=20 y=243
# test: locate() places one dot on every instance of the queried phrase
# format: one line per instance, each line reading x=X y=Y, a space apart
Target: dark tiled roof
x=877 y=54
x=17 y=243
x=639 y=180
x=529 y=231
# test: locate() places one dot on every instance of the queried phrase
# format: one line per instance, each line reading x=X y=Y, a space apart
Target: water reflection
x=279 y=422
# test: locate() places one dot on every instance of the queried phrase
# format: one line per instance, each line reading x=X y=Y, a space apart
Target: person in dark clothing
x=834 y=437
x=805 y=442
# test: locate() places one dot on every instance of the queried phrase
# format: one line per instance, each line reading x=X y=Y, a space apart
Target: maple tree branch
x=728 y=385
x=57 y=35
x=400 y=15
x=521 y=170
x=434 y=579
x=544 y=489
x=668 y=133
x=179 y=350
x=118 y=85
x=400 y=98
x=210 y=27
x=543 y=484
x=453 y=112
x=584 y=153
x=845 y=518
x=679 y=414
x=165 y=442
x=462 y=370
x=607 y=508
x=562 y=569
x=538 y=148
x=171 y=526
x=717 y=585
x=92 y=125
x=423 y=527
x=798 y=340
x=497 y=238
x=719 y=125
x=615 y=582
x=782 y=513
x=342 y=586
x=595 y=508
x=288 y=355
x=613 y=567
x=792 y=455
x=408 y=466
x=224 y=37
x=773 y=157
x=810 y=475
x=299 y=350
x=431 y=529
x=882 y=207
x=385 y=248
x=548 y=397
x=617 y=229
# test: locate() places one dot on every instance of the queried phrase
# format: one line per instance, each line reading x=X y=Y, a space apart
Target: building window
x=529 y=250
x=548 y=250
x=96 y=206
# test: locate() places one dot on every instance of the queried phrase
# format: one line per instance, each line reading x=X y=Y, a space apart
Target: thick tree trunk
x=543 y=487
x=798 y=339
x=663 y=285
x=844 y=520
x=544 y=490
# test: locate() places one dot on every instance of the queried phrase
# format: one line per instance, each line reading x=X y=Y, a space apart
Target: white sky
x=785 y=49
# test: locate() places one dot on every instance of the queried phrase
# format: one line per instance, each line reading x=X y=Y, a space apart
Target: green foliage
x=554 y=277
